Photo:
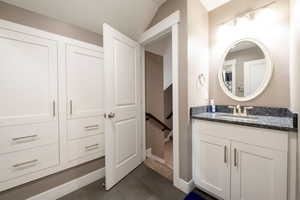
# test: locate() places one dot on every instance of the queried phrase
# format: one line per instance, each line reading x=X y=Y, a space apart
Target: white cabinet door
x=211 y=164
x=28 y=78
x=123 y=141
x=85 y=82
x=258 y=173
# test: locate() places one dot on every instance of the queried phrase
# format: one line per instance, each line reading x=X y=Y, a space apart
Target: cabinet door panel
x=258 y=173
x=85 y=82
x=211 y=164
x=28 y=78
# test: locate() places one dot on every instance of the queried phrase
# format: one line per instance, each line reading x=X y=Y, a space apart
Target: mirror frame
x=264 y=84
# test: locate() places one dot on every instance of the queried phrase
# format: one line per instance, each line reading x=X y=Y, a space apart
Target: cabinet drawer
x=29 y=161
x=16 y=138
x=86 y=146
x=80 y=128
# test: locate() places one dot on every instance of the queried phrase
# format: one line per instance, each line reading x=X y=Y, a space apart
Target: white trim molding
x=160 y=29
x=167 y=26
x=185 y=186
x=71 y=186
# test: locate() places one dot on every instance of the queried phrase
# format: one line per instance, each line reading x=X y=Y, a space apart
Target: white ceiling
x=131 y=17
x=213 y=4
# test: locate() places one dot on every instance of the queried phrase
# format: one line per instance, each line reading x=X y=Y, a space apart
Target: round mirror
x=246 y=70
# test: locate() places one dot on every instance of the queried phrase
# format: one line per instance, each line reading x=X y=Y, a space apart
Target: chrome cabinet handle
x=54 y=108
x=225 y=154
x=92 y=127
x=235 y=157
x=71 y=107
x=111 y=115
x=24 y=138
x=92 y=147
x=31 y=162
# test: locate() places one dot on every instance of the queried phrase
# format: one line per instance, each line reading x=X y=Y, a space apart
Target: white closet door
x=28 y=78
x=258 y=173
x=85 y=82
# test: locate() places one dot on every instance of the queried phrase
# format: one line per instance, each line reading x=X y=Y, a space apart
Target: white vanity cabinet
x=240 y=163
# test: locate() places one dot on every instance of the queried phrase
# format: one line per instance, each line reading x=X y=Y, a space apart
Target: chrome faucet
x=239 y=109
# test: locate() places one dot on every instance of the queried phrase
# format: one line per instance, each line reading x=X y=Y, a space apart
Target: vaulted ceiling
x=131 y=17
x=213 y=4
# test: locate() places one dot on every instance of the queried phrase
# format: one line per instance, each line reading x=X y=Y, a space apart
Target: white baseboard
x=153 y=157
x=184 y=186
x=71 y=186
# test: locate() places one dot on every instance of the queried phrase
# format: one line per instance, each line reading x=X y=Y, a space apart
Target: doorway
x=169 y=27
x=125 y=110
x=159 y=113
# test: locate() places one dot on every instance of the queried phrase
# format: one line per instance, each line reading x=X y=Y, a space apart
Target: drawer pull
x=54 y=108
x=71 y=107
x=92 y=147
x=235 y=157
x=25 y=138
x=31 y=162
x=92 y=127
x=225 y=154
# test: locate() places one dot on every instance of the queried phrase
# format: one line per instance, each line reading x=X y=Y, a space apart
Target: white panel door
x=85 y=82
x=28 y=78
x=254 y=75
x=258 y=173
x=211 y=164
x=123 y=105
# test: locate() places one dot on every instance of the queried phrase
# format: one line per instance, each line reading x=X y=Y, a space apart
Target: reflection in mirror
x=244 y=69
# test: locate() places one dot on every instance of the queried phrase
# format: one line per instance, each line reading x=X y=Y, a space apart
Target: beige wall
x=184 y=137
x=295 y=68
x=28 y=18
x=198 y=52
x=274 y=35
x=24 y=17
x=154 y=102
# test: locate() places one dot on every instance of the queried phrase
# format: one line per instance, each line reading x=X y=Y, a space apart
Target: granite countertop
x=276 y=122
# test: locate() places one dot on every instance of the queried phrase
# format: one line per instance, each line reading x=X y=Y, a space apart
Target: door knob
x=111 y=115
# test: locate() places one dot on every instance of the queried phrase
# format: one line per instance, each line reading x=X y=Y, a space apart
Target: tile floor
x=142 y=184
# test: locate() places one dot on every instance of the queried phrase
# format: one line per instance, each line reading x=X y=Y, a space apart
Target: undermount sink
x=231 y=116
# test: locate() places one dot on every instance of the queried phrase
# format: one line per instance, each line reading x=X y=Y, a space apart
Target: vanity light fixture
x=248 y=15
